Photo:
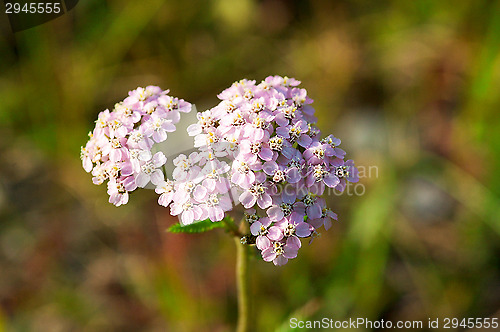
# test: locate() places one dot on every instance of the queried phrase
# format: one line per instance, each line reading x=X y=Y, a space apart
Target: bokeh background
x=411 y=87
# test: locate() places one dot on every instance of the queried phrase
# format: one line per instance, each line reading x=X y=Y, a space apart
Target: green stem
x=243 y=286
x=231 y=227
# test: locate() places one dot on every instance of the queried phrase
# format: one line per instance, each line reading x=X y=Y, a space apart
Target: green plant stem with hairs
x=243 y=285
x=242 y=272
x=242 y=261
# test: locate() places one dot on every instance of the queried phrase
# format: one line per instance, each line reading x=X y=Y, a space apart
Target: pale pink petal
x=209 y=184
x=270 y=167
x=129 y=184
x=297 y=217
x=293 y=175
x=194 y=129
x=290 y=251
x=225 y=203
x=87 y=164
x=115 y=155
x=142 y=180
x=175 y=209
x=268 y=255
x=275 y=213
x=314 y=211
x=262 y=242
x=328 y=223
x=200 y=193
x=280 y=260
x=219 y=214
x=197 y=213
x=264 y=201
x=310 y=180
x=144 y=155
x=304 y=141
x=255 y=228
x=157 y=177
x=187 y=217
x=303 y=229
x=293 y=241
x=159 y=159
x=247 y=199
x=236 y=178
x=266 y=154
x=275 y=233
x=127 y=169
x=168 y=126
x=165 y=199
x=223 y=186
x=316 y=223
x=159 y=136
x=331 y=180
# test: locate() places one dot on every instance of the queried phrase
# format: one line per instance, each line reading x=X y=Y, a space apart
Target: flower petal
x=262 y=242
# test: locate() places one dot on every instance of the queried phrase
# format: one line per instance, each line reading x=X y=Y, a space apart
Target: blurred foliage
x=409 y=86
x=199 y=227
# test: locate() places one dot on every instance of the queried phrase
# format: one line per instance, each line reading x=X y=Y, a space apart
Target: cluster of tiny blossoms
x=278 y=163
x=260 y=145
x=120 y=147
x=199 y=190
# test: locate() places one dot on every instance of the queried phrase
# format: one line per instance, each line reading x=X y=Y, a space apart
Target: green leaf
x=199 y=227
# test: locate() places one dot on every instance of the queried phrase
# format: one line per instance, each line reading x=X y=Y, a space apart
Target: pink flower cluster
x=120 y=147
x=279 y=164
x=260 y=145
x=199 y=190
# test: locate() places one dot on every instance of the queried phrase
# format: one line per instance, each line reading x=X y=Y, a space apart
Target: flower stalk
x=243 y=286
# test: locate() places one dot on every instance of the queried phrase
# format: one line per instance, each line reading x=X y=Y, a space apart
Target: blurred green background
x=411 y=87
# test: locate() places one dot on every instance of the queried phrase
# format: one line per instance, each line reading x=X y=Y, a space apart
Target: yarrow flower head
x=259 y=147
x=279 y=165
x=120 y=148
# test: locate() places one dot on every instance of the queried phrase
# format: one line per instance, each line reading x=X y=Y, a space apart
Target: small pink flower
x=346 y=172
x=216 y=205
x=158 y=127
x=252 y=150
x=281 y=173
x=257 y=129
x=319 y=176
x=185 y=166
x=85 y=156
x=280 y=252
x=118 y=195
x=115 y=148
x=166 y=191
x=326 y=216
x=265 y=233
x=243 y=173
x=189 y=212
x=257 y=193
x=150 y=170
x=296 y=133
x=213 y=178
x=139 y=139
x=318 y=153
